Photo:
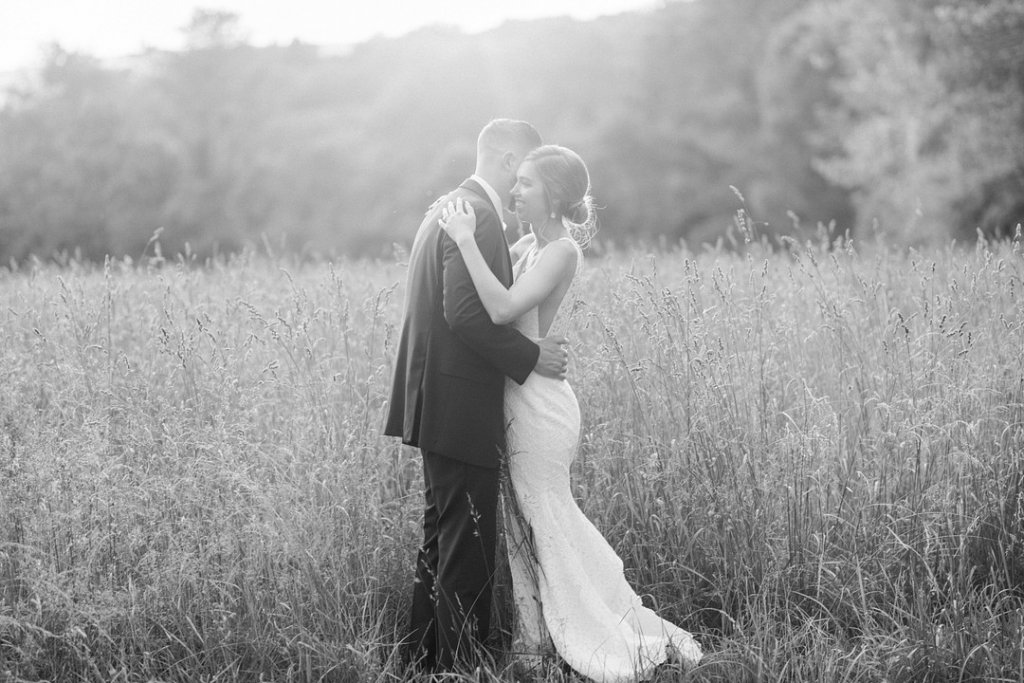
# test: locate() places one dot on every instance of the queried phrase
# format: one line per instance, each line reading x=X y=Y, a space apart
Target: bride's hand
x=458 y=220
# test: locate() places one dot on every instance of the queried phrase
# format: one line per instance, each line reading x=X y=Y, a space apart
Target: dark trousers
x=451 y=604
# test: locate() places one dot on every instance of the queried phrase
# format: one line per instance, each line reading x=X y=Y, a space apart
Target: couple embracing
x=480 y=375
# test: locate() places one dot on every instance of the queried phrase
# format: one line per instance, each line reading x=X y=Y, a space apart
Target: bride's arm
x=506 y=305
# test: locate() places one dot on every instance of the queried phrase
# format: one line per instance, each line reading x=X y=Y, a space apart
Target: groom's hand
x=553 y=360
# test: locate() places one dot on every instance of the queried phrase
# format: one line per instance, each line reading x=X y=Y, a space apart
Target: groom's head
x=501 y=147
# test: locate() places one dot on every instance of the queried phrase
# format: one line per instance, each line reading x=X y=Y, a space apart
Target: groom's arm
x=502 y=346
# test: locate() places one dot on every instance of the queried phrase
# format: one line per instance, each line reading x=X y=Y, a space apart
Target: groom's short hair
x=501 y=135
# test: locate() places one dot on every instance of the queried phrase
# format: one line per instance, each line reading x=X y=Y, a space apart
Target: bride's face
x=531 y=200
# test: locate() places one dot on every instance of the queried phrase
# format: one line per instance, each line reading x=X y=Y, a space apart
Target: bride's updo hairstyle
x=567 y=186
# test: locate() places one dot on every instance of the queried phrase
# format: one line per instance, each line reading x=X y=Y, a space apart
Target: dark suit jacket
x=449 y=381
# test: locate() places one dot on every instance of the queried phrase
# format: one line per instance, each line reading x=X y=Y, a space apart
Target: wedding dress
x=568 y=584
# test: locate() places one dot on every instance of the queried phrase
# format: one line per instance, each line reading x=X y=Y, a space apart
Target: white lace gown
x=568 y=583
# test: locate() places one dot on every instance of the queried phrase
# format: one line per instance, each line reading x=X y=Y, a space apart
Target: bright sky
x=112 y=28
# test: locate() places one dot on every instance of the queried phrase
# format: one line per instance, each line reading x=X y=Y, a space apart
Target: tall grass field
x=810 y=457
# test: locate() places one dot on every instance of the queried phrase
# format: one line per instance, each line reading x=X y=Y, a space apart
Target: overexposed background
x=116 y=28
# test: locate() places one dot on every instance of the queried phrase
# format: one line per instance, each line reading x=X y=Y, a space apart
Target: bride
x=568 y=583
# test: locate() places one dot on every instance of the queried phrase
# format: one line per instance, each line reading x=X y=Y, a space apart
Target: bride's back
x=548 y=309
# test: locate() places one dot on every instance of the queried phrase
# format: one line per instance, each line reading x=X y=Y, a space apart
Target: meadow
x=809 y=456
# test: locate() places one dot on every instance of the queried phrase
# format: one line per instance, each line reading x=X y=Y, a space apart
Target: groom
x=447 y=400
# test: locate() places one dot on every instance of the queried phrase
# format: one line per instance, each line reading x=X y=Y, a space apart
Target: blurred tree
x=908 y=135
x=72 y=175
x=909 y=114
x=213 y=112
x=795 y=85
x=706 y=97
x=991 y=74
x=212 y=29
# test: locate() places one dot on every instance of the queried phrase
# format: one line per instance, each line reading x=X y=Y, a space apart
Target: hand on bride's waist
x=553 y=360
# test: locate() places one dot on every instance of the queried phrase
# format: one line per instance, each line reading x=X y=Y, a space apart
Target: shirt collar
x=492 y=195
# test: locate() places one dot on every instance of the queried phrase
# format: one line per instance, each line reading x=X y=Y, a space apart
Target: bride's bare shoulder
x=567 y=252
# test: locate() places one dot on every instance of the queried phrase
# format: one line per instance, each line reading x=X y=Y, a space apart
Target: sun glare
x=120 y=27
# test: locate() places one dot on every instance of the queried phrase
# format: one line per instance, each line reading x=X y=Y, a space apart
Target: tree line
x=898 y=119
